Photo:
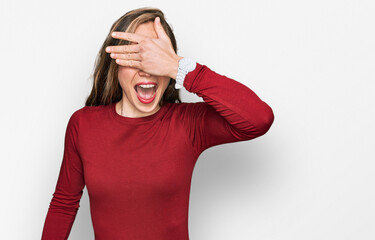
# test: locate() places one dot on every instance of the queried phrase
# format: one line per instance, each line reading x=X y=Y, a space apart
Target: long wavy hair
x=106 y=87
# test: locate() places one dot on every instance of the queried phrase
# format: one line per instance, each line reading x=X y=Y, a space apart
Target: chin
x=147 y=107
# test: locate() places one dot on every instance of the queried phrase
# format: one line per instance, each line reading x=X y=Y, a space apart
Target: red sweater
x=138 y=170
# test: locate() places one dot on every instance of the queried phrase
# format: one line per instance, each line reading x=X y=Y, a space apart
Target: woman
x=134 y=145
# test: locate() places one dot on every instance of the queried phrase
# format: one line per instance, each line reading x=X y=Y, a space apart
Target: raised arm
x=230 y=112
x=69 y=188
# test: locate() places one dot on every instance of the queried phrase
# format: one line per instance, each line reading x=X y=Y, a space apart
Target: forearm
x=238 y=104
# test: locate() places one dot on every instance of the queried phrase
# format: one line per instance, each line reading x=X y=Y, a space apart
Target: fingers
x=123 y=48
x=129 y=63
x=132 y=37
x=127 y=59
x=126 y=56
x=160 y=30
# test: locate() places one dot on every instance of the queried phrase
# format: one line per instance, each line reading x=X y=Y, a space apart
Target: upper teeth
x=146 y=85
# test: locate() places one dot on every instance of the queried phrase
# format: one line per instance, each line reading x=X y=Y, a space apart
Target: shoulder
x=87 y=113
x=188 y=106
x=187 y=110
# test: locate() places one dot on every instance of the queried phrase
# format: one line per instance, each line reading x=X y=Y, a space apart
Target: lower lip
x=146 y=101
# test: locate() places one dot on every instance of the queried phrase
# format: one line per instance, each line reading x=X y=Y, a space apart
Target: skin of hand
x=154 y=56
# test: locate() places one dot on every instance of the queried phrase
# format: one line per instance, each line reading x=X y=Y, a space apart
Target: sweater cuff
x=189 y=78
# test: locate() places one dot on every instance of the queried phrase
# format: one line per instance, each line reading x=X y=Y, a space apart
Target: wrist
x=174 y=67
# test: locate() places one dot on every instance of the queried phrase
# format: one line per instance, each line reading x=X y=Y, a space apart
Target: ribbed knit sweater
x=138 y=171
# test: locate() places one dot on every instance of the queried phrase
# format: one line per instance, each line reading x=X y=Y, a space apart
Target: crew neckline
x=137 y=120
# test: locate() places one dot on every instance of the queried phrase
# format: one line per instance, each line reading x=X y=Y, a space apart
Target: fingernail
x=108 y=49
x=113 y=34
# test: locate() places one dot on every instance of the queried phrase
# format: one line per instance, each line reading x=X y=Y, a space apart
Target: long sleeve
x=69 y=188
x=230 y=112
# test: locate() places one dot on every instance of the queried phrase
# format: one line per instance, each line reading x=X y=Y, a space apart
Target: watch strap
x=185 y=65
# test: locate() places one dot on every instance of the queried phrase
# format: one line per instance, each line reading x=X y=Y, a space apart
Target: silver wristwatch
x=185 y=65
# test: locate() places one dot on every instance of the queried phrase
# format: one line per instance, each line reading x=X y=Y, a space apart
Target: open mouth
x=146 y=92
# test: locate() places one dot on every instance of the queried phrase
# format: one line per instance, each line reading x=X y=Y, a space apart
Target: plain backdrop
x=310 y=177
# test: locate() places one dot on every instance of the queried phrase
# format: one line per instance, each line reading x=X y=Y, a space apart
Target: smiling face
x=134 y=98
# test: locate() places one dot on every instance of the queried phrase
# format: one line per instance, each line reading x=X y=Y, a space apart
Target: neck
x=126 y=109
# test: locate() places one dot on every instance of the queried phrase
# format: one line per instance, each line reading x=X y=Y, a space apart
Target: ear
x=160 y=30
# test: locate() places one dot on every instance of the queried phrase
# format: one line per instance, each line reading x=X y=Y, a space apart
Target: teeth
x=146 y=85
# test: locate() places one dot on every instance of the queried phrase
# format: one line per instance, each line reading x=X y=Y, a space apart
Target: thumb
x=160 y=30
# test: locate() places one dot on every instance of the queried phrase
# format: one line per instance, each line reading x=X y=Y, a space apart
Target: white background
x=310 y=177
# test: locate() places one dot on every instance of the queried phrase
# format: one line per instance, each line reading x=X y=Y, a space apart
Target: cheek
x=125 y=76
x=165 y=83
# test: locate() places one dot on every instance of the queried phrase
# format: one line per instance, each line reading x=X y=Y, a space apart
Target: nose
x=143 y=74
